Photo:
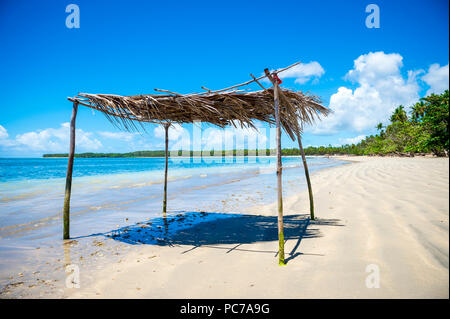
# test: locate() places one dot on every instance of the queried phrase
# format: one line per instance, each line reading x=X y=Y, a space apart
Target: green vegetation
x=162 y=154
x=424 y=130
x=131 y=154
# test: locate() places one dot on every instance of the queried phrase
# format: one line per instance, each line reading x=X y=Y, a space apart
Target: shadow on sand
x=200 y=229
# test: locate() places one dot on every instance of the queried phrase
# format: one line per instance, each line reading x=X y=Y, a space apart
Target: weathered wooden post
x=66 y=210
x=166 y=128
x=308 y=181
x=279 y=169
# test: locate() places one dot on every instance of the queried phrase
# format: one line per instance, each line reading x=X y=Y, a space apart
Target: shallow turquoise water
x=109 y=194
x=32 y=190
x=17 y=169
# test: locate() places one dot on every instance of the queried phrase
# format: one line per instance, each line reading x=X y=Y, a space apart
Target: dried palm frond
x=221 y=109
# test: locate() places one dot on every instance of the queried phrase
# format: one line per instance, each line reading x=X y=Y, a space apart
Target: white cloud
x=370 y=67
x=175 y=132
x=437 y=78
x=123 y=136
x=352 y=140
x=51 y=140
x=4 y=140
x=381 y=88
x=233 y=138
x=3 y=133
x=179 y=137
x=303 y=72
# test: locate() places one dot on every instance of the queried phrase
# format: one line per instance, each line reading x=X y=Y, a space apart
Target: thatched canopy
x=231 y=106
x=221 y=108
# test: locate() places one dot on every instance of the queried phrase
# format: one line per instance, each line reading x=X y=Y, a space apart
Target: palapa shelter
x=230 y=106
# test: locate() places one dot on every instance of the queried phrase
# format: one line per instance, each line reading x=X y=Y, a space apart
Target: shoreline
x=372 y=210
x=428 y=155
x=333 y=256
x=101 y=205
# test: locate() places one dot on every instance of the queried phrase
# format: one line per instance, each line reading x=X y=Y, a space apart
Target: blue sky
x=131 y=47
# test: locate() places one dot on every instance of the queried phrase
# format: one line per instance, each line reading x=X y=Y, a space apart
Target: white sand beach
x=388 y=212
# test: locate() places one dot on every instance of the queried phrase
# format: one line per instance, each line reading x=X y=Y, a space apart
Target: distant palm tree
x=399 y=115
x=379 y=126
x=418 y=110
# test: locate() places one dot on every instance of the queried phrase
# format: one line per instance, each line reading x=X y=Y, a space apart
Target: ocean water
x=113 y=193
x=106 y=191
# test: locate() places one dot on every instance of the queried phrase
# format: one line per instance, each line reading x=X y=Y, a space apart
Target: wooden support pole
x=305 y=165
x=166 y=128
x=281 y=260
x=308 y=181
x=279 y=180
x=66 y=210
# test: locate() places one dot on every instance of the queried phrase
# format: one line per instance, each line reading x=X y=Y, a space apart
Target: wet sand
x=388 y=214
